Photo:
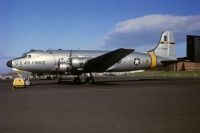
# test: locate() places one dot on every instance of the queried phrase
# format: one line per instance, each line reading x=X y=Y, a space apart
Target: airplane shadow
x=97 y=83
x=100 y=83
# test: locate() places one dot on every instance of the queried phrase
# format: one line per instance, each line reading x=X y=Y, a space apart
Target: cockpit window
x=29 y=56
x=23 y=56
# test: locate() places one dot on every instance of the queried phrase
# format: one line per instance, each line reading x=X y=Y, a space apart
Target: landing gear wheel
x=89 y=80
x=77 y=80
x=48 y=77
x=27 y=82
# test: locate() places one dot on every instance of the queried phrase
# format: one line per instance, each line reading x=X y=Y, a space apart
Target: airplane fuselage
x=39 y=61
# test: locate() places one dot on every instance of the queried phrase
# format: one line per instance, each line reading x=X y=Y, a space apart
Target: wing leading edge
x=103 y=62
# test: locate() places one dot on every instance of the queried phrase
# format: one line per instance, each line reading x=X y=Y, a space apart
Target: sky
x=93 y=25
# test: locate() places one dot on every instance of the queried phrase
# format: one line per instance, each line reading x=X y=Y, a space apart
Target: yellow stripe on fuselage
x=153 y=61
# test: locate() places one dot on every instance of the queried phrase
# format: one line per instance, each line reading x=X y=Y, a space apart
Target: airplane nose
x=9 y=63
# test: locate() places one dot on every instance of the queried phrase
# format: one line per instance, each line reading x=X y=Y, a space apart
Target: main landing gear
x=77 y=80
x=88 y=79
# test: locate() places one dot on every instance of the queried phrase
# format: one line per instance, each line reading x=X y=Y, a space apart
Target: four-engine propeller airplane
x=84 y=62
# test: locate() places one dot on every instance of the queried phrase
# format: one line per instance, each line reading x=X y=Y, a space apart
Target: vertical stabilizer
x=166 y=46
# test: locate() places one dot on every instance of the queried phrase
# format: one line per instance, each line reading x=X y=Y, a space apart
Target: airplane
x=85 y=62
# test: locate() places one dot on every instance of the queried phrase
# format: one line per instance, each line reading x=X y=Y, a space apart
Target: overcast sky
x=93 y=24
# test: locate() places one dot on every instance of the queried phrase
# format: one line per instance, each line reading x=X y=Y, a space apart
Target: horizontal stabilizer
x=103 y=62
x=169 y=62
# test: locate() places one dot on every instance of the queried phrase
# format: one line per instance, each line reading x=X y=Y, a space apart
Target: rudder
x=166 y=46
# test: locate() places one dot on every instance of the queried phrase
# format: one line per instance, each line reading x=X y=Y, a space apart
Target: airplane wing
x=103 y=62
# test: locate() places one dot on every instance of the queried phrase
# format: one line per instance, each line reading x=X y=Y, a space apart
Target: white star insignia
x=136 y=61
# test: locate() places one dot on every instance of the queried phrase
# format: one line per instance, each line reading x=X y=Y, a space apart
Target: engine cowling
x=78 y=63
x=75 y=66
x=64 y=67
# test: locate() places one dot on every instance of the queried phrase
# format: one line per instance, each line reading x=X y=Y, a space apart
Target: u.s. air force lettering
x=29 y=62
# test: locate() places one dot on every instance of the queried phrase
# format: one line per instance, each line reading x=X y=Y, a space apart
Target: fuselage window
x=29 y=56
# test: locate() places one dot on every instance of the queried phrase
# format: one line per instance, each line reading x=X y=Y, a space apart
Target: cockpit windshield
x=24 y=55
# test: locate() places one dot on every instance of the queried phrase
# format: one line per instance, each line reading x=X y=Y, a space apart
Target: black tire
x=77 y=80
x=89 y=80
x=48 y=77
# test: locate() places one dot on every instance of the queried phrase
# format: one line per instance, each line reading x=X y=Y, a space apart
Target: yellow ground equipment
x=18 y=83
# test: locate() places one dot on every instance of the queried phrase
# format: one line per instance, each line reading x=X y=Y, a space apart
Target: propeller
x=70 y=61
x=64 y=66
x=57 y=68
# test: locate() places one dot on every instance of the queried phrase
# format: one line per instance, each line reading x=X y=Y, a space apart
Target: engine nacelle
x=64 y=67
x=78 y=63
x=75 y=66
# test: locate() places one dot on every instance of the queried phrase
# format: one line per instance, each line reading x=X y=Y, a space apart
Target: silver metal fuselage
x=39 y=61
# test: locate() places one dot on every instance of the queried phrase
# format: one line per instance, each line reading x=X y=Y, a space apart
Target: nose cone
x=9 y=63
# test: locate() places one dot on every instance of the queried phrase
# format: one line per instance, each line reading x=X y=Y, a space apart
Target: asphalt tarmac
x=111 y=105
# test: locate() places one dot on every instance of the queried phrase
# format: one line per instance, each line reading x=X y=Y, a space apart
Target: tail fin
x=166 y=46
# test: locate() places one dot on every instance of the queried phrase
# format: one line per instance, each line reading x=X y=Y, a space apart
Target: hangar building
x=193 y=56
x=193 y=48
